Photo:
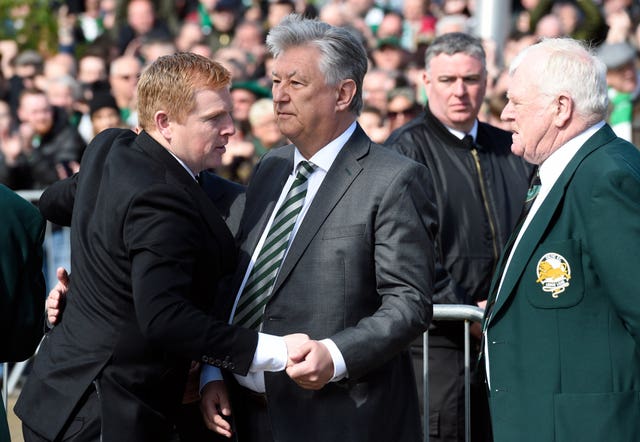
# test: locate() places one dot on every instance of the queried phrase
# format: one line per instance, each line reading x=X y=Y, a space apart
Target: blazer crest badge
x=553 y=273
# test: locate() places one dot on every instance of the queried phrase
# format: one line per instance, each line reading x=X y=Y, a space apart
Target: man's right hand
x=57 y=296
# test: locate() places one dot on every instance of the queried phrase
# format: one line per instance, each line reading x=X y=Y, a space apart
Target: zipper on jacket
x=483 y=191
x=96 y=385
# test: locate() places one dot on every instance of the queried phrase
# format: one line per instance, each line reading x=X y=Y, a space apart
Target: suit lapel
x=541 y=220
x=216 y=223
x=209 y=184
x=263 y=192
x=344 y=170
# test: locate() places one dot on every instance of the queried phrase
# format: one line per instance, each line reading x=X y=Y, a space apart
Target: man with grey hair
x=622 y=80
x=356 y=275
x=480 y=187
x=562 y=323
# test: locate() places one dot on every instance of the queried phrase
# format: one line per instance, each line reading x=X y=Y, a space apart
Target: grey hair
x=570 y=67
x=343 y=55
x=71 y=83
x=259 y=108
x=452 y=22
x=455 y=43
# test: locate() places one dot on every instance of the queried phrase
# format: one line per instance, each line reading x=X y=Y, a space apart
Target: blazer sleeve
x=56 y=202
x=22 y=287
x=163 y=236
x=403 y=261
x=613 y=232
x=446 y=288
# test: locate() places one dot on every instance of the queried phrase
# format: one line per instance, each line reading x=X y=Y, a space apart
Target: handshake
x=309 y=363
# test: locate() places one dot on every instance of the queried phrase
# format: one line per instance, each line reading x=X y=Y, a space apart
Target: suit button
x=205 y=359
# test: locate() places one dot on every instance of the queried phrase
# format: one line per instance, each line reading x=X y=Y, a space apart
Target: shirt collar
x=553 y=166
x=325 y=157
x=193 y=175
x=460 y=135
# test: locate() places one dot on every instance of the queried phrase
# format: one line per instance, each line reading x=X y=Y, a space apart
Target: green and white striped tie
x=265 y=270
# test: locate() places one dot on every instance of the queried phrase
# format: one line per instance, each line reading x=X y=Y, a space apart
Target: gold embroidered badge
x=554 y=273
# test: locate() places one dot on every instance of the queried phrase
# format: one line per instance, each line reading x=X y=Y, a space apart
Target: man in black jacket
x=149 y=249
x=480 y=187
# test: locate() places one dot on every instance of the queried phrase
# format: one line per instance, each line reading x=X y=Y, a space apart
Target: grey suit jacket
x=359 y=271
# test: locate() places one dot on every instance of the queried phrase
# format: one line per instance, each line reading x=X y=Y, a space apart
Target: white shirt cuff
x=339 y=366
x=253 y=381
x=271 y=354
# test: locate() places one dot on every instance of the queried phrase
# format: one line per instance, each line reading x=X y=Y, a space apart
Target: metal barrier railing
x=444 y=312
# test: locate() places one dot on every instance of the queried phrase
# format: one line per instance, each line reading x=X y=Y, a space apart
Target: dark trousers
x=251 y=416
x=190 y=426
x=83 y=426
x=446 y=393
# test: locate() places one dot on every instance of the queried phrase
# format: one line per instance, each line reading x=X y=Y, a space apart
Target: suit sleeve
x=614 y=240
x=404 y=266
x=56 y=202
x=446 y=290
x=163 y=234
x=22 y=287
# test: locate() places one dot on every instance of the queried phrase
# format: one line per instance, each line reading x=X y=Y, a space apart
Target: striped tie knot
x=305 y=169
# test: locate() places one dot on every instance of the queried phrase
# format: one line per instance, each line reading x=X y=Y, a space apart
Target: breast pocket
x=554 y=276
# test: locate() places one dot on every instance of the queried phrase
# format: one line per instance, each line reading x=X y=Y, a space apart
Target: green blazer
x=564 y=334
x=22 y=289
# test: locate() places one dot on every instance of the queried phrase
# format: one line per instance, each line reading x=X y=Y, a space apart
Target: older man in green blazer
x=562 y=325
x=22 y=289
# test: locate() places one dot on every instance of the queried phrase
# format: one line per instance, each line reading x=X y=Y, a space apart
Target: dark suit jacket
x=22 y=289
x=148 y=249
x=354 y=273
x=228 y=198
x=566 y=368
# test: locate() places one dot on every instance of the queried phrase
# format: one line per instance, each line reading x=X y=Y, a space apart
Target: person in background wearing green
x=22 y=289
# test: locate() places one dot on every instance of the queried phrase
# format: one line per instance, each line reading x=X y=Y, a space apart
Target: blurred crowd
x=54 y=102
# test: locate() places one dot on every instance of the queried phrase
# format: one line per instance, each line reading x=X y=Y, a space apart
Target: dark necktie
x=532 y=193
x=468 y=142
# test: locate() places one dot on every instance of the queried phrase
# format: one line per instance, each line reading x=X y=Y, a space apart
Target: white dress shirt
x=271 y=352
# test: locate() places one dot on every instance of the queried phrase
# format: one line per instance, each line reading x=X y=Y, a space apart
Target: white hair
x=565 y=65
